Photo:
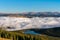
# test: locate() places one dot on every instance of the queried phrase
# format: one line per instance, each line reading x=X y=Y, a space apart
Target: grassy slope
x=21 y=36
x=4 y=39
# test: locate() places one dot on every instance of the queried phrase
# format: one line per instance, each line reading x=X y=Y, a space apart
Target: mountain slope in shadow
x=51 y=31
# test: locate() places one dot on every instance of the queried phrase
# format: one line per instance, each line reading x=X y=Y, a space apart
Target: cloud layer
x=13 y=23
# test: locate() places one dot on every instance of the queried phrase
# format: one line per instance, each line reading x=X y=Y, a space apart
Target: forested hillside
x=19 y=35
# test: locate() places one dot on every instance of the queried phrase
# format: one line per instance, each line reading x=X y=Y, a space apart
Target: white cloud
x=28 y=23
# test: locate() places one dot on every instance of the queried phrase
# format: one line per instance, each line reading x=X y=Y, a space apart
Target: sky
x=17 y=6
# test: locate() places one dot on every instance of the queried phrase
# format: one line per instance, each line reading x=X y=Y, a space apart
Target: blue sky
x=29 y=6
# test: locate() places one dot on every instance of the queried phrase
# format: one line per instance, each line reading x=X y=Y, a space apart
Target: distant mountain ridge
x=34 y=14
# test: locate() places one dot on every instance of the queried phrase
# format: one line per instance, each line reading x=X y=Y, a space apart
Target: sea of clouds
x=17 y=23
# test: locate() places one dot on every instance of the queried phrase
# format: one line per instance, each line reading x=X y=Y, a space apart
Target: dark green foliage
x=21 y=36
